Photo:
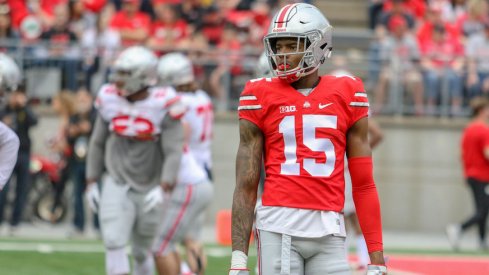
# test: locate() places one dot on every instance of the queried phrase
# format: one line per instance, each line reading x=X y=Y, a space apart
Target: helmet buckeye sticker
x=283 y=17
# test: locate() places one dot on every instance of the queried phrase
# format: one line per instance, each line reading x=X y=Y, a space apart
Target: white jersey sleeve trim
x=249 y=107
x=359 y=94
x=247 y=97
x=359 y=104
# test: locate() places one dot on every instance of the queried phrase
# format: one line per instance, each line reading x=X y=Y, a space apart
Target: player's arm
x=364 y=191
x=172 y=146
x=9 y=148
x=96 y=150
x=248 y=165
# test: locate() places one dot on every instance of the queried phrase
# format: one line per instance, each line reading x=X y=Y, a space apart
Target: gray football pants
x=184 y=216
x=280 y=254
x=122 y=219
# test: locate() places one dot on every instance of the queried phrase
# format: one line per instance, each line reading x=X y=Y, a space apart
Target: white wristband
x=239 y=260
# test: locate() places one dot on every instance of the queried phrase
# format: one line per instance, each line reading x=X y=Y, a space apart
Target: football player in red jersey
x=475 y=159
x=303 y=124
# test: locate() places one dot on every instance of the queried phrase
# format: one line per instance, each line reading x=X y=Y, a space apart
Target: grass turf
x=61 y=257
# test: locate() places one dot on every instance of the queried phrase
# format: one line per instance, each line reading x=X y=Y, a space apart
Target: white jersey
x=129 y=137
x=199 y=116
x=303 y=223
x=9 y=148
x=190 y=172
x=141 y=119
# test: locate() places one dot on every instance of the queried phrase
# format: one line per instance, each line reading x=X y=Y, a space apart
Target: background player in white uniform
x=10 y=78
x=138 y=138
x=176 y=70
x=185 y=214
x=303 y=125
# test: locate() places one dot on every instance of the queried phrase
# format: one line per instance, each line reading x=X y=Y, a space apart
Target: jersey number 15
x=309 y=125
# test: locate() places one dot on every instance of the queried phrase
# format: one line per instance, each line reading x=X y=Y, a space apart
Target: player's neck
x=307 y=82
x=138 y=96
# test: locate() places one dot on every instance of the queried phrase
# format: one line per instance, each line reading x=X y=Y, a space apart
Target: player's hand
x=167 y=187
x=239 y=272
x=92 y=195
x=154 y=197
x=376 y=269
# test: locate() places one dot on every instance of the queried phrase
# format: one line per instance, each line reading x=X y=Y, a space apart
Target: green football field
x=59 y=257
x=86 y=257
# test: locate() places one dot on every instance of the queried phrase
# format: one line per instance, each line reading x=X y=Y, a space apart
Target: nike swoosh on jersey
x=321 y=106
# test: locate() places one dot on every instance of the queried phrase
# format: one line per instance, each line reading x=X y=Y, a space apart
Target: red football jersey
x=305 y=138
x=474 y=139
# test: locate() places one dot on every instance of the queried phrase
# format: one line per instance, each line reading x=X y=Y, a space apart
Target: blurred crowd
x=82 y=37
x=426 y=54
x=432 y=53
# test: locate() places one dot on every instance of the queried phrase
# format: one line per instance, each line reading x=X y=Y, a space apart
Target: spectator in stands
x=61 y=47
x=81 y=18
x=374 y=10
x=475 y=158
x=18 y=116
x=415 y=8
x=400 y=56
x=193 y=12
x=100 y=45
x=168 y=29
x=132 y=25
x=477 y=53
x=213 y=24
x=262 y=16
x=434 y=17
x=78 y=132
x=472 y=22
x=442 y=62
x=396 y=7
x=452 y=10
x=41 y=10
x=146 y=6
x=8 y=36
x=229 y=65
x=63 y=104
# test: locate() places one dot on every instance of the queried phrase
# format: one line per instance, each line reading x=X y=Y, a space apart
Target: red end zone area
x=437 y=265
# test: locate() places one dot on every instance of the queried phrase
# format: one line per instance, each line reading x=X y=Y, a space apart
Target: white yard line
x=51 y=248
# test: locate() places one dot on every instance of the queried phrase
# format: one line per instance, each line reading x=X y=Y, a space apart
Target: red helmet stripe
x=282 y=14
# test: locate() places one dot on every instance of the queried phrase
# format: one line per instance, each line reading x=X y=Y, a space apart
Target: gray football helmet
x=306 y=23
x=134 y=69
x=175 y=69
x=10 y=76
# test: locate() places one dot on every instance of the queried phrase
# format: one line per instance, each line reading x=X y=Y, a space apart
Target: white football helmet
x=134 y=69
x=263 y=68
x=306 y=23
x=10 y=76
x=175 y=69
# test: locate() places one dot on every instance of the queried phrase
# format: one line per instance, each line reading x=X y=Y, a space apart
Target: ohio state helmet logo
x=283 y=17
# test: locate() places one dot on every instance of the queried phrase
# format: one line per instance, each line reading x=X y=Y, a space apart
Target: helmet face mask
x=312 y=31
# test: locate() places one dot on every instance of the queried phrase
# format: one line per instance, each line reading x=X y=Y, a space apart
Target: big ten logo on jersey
x=138 y=127
x=206 y=114
x=287 y=109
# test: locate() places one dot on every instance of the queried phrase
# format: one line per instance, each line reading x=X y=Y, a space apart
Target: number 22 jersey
x=305 y=141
